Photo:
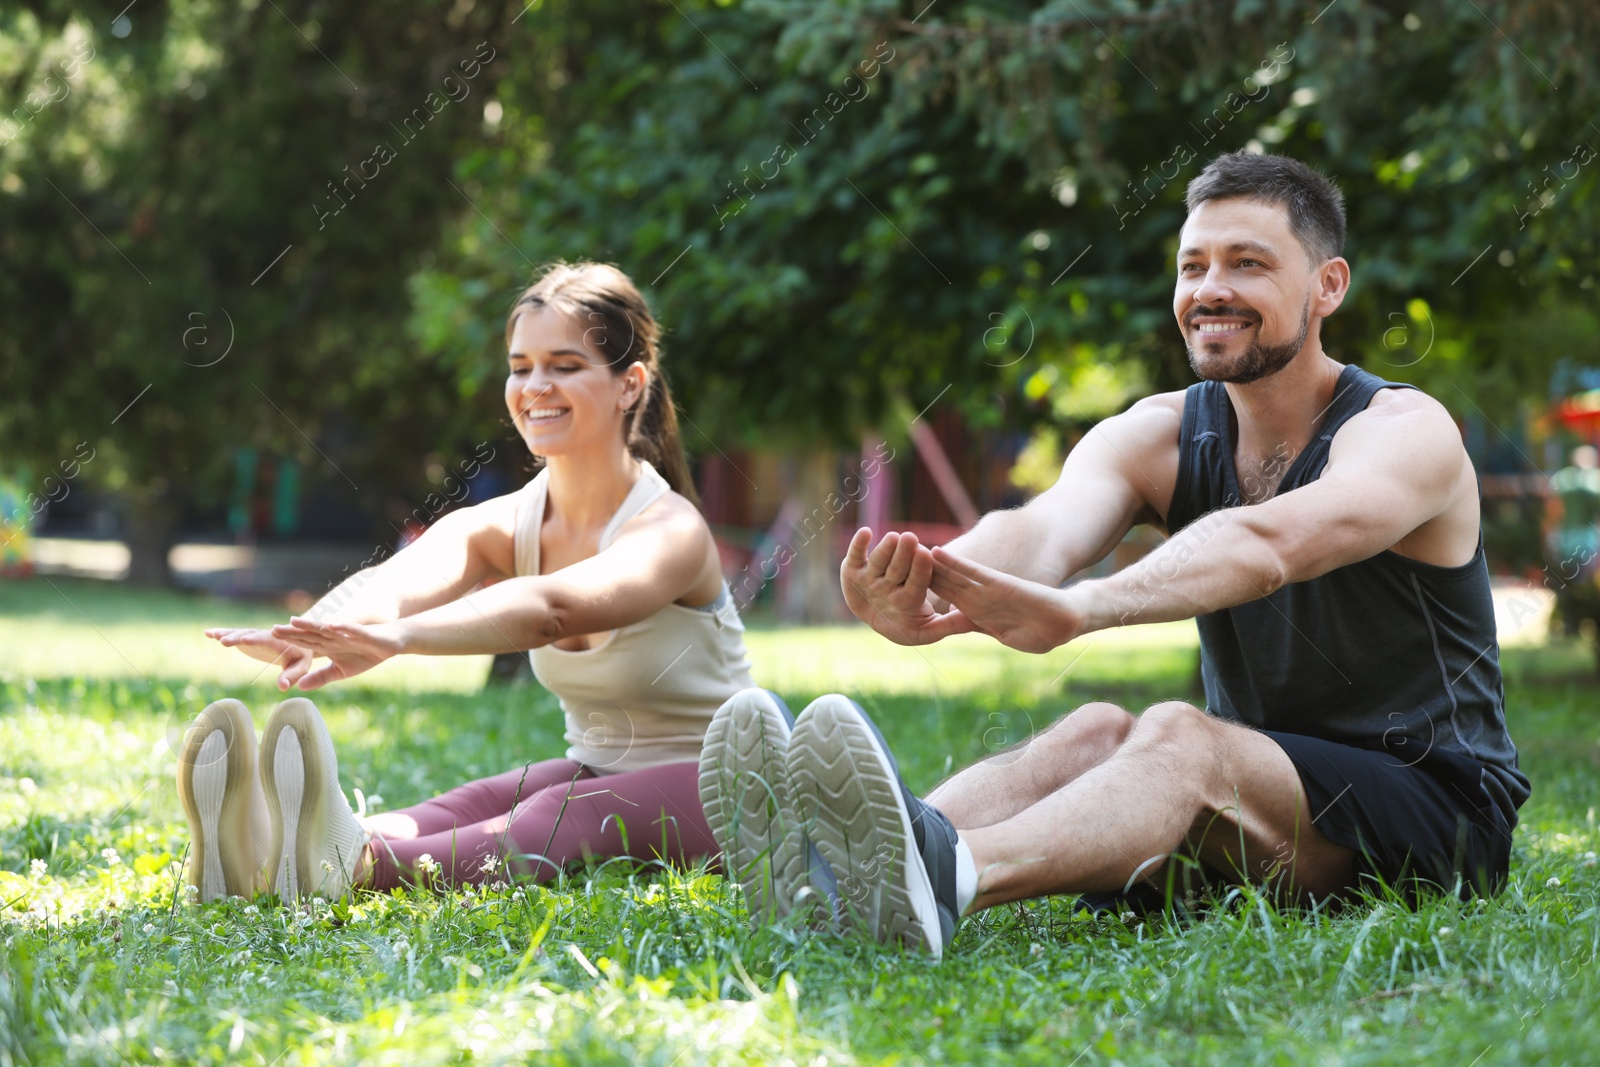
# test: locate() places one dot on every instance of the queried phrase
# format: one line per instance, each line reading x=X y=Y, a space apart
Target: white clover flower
x=38 y=867
x=1554 y=883
x=191 y=890
x=1588 y=859
x=149 y=928
x=498 y=887
x=426 y=864
x=327 y=866
x=490 y=864
x=110 y=856
x=251 y=909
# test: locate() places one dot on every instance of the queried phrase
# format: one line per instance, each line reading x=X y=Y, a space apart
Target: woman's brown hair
x=617 y=324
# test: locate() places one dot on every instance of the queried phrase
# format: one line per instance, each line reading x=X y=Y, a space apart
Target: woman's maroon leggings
x=535 y=820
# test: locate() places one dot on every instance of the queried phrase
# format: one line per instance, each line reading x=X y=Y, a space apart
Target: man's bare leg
x=1008 y=783
x=1181 y=774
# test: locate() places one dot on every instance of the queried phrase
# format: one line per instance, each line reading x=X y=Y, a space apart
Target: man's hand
x=351 y=648
x=1018 y=613
x=262 y=645
x=888 y=590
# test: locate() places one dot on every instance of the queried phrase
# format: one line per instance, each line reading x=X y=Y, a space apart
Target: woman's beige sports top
x=644 y=695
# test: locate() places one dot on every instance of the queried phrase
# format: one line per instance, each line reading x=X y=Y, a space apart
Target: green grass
x=100 y=964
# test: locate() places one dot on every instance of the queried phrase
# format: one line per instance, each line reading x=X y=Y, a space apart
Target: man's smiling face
x=1244 y=290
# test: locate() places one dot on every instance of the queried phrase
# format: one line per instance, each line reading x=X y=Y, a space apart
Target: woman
x=609 y=575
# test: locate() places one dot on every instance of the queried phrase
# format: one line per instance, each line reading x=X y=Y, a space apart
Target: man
x=1323 y=531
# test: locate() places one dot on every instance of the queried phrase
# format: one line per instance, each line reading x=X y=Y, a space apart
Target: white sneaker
x=227 y=812
x=317 y=841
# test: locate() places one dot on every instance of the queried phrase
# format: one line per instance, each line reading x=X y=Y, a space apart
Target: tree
x=846 y=209
x=207 y=233
x=844 y=212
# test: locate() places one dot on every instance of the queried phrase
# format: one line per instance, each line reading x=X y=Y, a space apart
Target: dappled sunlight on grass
x=101 y=961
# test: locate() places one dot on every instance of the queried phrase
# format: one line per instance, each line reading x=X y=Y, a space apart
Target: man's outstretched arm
x=1398 y=471
x=1385 y=477
x=1120 y=474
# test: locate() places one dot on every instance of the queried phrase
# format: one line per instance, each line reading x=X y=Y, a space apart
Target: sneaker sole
x=216 y=774
x=744 y=789
x=292 y=773
x=848 y=793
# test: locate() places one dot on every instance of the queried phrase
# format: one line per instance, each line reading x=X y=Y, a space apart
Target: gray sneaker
x=745 y=791
x=894 y=856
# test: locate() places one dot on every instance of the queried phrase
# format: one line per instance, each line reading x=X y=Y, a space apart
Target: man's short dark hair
x=1313 y=203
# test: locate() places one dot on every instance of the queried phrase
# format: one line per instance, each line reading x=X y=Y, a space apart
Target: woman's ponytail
x=653 y=434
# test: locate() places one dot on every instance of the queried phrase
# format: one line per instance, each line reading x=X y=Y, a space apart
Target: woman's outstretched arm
x=657 y=559
x=447 y=561
x=451 y=557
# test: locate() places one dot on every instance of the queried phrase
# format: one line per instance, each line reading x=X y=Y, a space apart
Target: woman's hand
x=351 y=648
x=262 y=645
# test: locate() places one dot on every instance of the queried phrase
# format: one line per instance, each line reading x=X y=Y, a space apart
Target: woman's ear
x=636 y=380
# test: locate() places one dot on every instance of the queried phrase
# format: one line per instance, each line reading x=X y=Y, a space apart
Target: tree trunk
x=154 y=515
x=812 y=591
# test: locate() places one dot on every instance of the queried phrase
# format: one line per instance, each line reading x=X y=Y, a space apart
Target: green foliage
x=144 y=214
x=929 y=234
x=842 y=210
x=100 y=962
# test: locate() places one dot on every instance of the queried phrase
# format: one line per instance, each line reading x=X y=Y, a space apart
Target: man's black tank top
x=1389 y=654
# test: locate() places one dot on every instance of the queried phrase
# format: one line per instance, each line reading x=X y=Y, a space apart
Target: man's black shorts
x=1428 y=823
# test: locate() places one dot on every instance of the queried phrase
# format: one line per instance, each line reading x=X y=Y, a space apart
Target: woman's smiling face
x=561 y=393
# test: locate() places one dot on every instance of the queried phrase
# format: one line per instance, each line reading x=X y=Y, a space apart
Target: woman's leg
x=474 y=802
x=649 y=814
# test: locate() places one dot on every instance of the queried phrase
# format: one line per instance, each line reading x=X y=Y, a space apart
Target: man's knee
x=1098 y=727
x=1202 y=751
x=1174 y=724
x=1101 y=721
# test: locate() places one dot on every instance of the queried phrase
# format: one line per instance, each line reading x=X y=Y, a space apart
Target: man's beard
x=1259 y=360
